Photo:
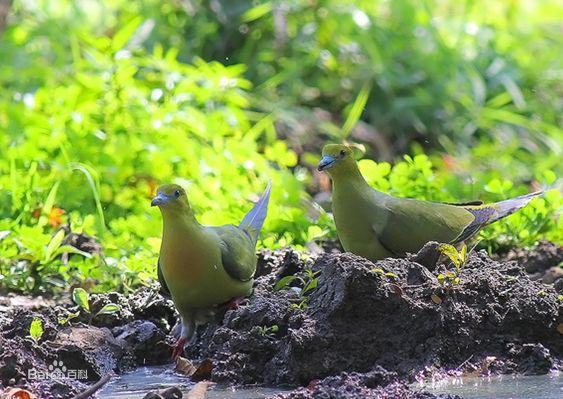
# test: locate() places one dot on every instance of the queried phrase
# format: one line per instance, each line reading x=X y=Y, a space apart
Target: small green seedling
x=82 y=299
x=383 y=273
x=36 y=329
x=458 y=258
x=265 y=330
x=308 y=283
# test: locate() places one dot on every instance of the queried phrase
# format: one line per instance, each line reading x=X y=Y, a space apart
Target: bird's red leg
x=178 y=348
x=235 y=302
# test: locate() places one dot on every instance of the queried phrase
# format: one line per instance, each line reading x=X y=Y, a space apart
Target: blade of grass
x=356 y=110
x=92 y=178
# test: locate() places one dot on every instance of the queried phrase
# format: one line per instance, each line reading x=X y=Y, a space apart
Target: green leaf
x=110 y=308
x=451 y=252
x=50 y=201
x=463 y=253
x=65 y=320
x=81 y=298
x=36 y=329
x=450 y=274
x=53 y=245
x=122 y=36
x=256 y=12
x=283 y=282
x=378 y=270
x=311 y=285
x=69 y=249
x=391 y=275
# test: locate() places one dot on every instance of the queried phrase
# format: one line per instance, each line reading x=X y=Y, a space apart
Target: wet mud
x=334 y=324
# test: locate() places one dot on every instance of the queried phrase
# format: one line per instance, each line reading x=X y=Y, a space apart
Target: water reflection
x=548 y=386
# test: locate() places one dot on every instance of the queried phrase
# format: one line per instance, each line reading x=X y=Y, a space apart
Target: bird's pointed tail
x=509 y=206
x=254 y=219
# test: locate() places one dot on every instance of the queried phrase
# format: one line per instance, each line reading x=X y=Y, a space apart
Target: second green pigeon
x=376 y=225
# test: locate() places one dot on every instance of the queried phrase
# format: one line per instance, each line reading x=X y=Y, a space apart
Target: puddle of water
x=548 y=386
x=136 y=384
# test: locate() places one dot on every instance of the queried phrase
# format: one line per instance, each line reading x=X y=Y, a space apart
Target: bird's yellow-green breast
x=191 y=256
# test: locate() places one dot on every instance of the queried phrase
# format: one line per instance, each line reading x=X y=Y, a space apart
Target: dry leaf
x=199 y=390
x=560 y=328
x=396 y=289
x=203 y=371
x=184 y=366
x=436 y=299
x=17 y=393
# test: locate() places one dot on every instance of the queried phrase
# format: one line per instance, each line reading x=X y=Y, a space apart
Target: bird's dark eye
x=177 y=193
x=342 y=153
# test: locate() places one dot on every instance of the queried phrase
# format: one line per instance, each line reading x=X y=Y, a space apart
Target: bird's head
x=337 y=157
x=171 y=197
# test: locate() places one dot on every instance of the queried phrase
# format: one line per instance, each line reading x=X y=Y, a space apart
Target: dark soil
x=342 y=326
x=94 y=348
x=544 y=262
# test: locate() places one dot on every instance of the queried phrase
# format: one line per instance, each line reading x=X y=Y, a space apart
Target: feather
x=509 y=206
x=487 y=214
x=254 y=219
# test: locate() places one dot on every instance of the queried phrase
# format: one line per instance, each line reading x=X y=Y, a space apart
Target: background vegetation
x=103 y=100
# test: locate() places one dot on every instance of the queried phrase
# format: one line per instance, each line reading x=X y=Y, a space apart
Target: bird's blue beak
x=160 y=199
x=326 y=162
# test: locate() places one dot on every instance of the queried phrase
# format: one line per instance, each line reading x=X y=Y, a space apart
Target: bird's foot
x=235 y=303
x=178 y=349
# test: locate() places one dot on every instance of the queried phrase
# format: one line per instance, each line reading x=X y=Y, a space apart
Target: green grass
x=103 y=101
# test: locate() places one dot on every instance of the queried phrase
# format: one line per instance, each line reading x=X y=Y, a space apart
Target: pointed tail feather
x=509 y=206
x=254 y=219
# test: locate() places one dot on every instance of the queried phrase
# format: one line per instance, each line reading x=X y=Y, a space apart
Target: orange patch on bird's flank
x=55 y=217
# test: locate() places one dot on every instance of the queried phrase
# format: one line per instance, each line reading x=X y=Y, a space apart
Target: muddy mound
x=542 y=257
x=357 y=315
x=544 y=262
x=377 y=384
x=84 y=348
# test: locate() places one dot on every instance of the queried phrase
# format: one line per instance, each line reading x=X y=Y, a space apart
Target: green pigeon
x=376 y=225
x=204 y=267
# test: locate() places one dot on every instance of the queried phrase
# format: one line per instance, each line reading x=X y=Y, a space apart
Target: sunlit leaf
x=53 y=245
x=110 y=308
x=81 y=298
x=451 y=252
x=36 y=329
x=284 y=282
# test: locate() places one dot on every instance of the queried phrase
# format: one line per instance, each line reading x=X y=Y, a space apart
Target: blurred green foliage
x=102 y=101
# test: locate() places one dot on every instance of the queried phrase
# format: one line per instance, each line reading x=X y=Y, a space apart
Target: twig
x=93 y=388
x=464 y=363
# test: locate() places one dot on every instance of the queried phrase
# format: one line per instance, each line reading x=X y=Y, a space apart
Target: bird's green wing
x=237 y=252
x=408 y=224
x=163 y=286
